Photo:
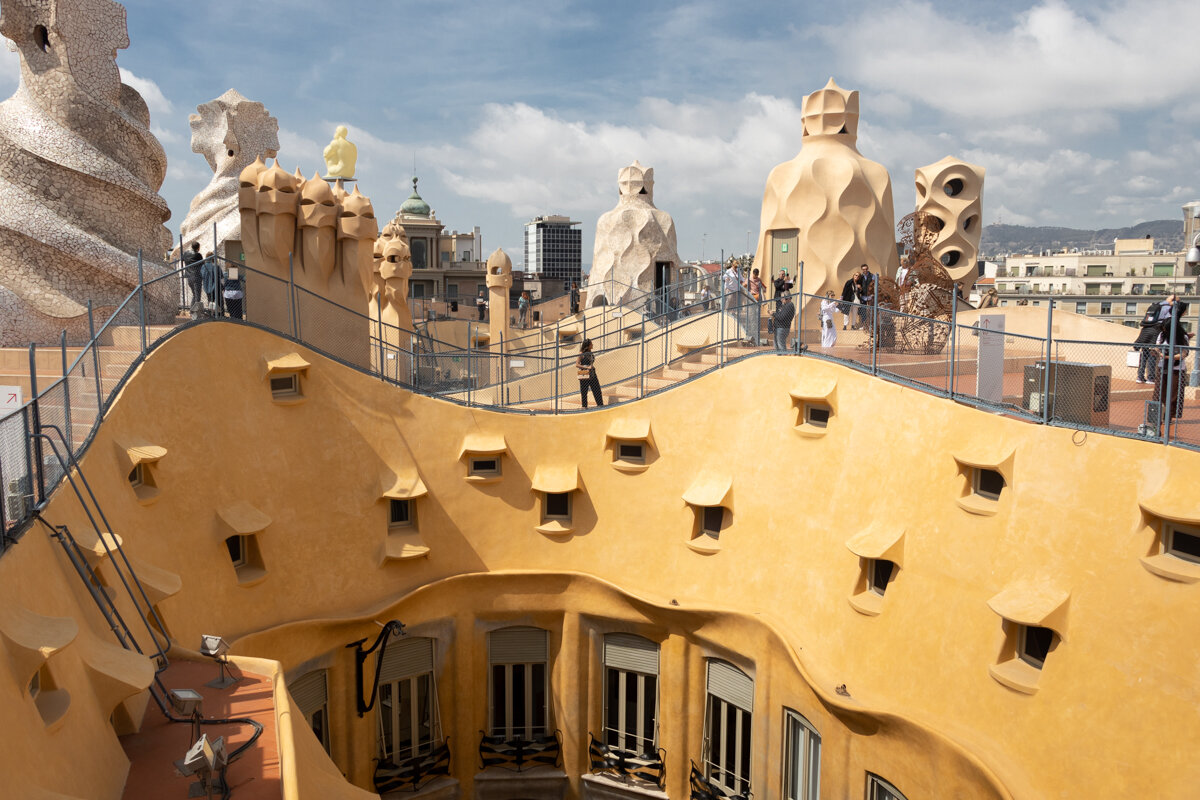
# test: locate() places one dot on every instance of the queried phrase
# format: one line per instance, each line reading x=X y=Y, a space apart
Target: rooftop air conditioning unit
x=18 y=498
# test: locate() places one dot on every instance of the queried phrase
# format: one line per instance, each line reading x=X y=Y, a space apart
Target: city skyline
x=1077 y=112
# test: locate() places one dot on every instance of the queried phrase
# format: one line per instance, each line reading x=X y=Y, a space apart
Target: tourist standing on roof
x=849 y=298
x=829 y=307
x=781 y=321
x=191 y=271
x=585 y=367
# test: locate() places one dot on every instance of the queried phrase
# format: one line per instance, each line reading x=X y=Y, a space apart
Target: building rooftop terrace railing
x=648 y=353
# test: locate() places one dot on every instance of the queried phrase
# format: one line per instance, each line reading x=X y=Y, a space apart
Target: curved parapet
x=79 y=174
x=231 y=133
x=951 y=192
x=631 y=240
x=829 y=206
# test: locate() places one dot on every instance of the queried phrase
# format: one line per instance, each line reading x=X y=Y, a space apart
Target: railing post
x=1170 y=368
x=95 y=363
x=953 y=339
x=875 y=330
x=470 y=357
x=141 y=303
x=721 y=338
x=1046 y=377
x=557 y=377
x=35 y=425
x=292 y=296
x=1195 y=377
x=800 y=311
x=70 y=443
x=642 y=364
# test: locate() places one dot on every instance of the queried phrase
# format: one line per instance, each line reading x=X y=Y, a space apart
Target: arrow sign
x=10 y=399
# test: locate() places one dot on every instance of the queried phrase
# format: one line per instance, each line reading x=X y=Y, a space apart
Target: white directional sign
x=10 y=399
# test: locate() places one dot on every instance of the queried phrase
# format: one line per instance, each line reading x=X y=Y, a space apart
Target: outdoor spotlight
x=202 y=760
x=216 y=648
x=1193 y=255
x=213 y=646
x=186 y=701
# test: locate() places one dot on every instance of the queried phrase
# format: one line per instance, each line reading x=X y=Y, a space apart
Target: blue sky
x=1083 y=114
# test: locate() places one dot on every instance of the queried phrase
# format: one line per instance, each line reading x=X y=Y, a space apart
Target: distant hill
x=999 y=240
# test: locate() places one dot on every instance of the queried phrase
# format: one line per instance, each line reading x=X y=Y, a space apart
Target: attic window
x=632 y=452
x=816 y=415
x=285 y=386
x=400 y=513
x=1035 y=644
x=712 y=520
x=484 y=467
x=987 y=483
x=557 y=506
x=880 y=574
x=1181 y=542
x=237 y=550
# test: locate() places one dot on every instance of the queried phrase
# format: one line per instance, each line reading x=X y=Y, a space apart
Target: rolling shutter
x=406 y=658
x=632 y=653
x=518 y=646
x=730 y=684
x=309 y=692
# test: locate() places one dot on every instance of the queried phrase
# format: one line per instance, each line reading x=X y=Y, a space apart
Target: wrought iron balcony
x=519 y=754
x=649 y=767
x=412 y=773
x=704 y=789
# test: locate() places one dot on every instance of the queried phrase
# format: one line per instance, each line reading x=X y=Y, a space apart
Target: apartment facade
x=1115 y=285
x=446 y=265
x=553 y=252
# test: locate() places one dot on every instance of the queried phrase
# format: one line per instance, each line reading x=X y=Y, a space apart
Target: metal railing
x=412 y=773
x=1088 y=385
x=520 y=754
x=648 y=767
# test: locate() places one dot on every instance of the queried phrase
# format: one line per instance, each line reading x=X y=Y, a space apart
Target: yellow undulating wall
x=773 y=595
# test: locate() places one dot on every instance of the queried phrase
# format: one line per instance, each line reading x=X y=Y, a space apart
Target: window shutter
x=406 y=658
x=629 y=652
x=518 y=646
x=309 y=692
x=730 y=684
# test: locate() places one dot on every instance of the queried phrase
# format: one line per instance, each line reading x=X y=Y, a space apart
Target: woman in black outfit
x=585 y=367
x=1171 y=364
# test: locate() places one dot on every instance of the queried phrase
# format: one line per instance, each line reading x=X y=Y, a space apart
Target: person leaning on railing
x=1172 y=367
x=1152 y=324
x=781 y=321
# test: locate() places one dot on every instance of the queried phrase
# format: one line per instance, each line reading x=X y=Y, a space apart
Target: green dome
x=414 y=205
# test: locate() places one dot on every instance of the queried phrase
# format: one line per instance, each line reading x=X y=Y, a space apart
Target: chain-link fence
x=1144 y=391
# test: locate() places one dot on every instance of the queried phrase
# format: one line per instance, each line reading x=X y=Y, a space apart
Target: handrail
x=423 y=364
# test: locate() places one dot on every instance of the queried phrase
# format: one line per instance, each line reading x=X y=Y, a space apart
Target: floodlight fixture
x=1193 y=254
x=216 y=648
x=202 y=759
x=186 y=701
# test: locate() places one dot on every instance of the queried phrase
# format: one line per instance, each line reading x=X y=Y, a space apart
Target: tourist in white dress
x=828 y=330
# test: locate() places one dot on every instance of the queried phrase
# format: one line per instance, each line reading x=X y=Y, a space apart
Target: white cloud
x=1119 y=57
x=156 y=101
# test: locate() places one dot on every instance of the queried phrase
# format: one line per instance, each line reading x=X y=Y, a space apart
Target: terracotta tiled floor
x=153 y=750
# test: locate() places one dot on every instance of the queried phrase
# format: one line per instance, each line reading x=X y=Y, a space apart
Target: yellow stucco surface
x=1111 y=714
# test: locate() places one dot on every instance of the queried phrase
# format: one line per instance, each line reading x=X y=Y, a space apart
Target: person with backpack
x=1152 y=325
x=585 y=369
x=1172 y=368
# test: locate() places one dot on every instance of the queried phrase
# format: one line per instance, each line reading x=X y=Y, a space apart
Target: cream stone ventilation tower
x=317 y=236
x=829 y=206
x=79 y=175
x=635 y=242
x=951 y=191
x=499 y=281
x=231 y=132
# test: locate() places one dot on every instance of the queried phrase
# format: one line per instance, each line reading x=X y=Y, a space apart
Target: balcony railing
x=649 y=767
x=704 y=789
x=412 y=773
x=519 y=754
